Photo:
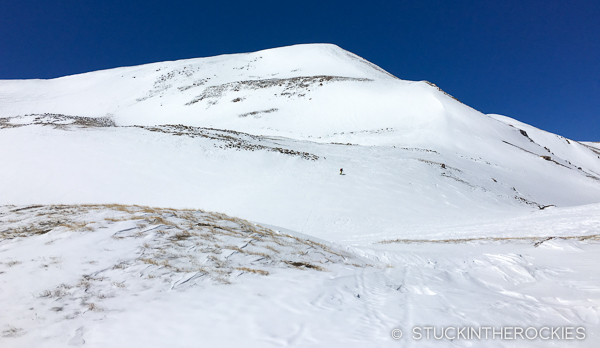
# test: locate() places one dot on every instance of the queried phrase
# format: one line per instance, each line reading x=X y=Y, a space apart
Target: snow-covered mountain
x=262 y=136
x=414 y=156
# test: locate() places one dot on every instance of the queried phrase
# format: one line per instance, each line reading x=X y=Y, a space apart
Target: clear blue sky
x=536 y=61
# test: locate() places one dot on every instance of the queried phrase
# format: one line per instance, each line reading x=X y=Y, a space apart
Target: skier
x=341 y=171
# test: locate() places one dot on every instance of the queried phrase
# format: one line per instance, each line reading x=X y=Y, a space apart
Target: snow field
x=132 y=276
x=389 y=192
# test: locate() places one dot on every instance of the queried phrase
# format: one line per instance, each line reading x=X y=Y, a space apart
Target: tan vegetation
x=251 y=270
x=536 y=240
x=169 y=248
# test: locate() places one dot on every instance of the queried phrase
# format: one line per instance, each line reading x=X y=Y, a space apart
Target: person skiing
x=341 y=171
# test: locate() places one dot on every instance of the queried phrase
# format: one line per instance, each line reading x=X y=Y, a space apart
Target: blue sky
x=536 y=61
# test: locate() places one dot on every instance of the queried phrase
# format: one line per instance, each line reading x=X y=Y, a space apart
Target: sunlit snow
x=200 y=203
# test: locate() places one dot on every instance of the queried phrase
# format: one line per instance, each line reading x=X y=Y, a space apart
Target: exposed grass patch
x=12 y=331
x=118 y=284
x=120 y=266
x=304 y=265
x=251 y=270
x=94 y=307
x=233 y=247
x=164 y=263
x=536 y=240
x=183 y=235
x=77 y=226
x=272 y=249
x=257 y=253
x=185 y=246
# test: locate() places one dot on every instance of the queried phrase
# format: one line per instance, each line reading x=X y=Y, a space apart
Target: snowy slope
x=390 y=191
x=131 y=276
x=592 y=144
x=158 y=93
x=445 y=216
x=557 y=147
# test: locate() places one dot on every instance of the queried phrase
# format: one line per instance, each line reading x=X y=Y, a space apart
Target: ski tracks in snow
x=372 y=291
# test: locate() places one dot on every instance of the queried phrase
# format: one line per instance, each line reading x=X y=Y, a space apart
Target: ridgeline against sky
x=538 y=62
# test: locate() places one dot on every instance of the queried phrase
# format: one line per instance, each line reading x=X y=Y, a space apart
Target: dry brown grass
x=164 y=263
x=77 y=226
x=118 y=207
x=26 y=231
x=150 y=262
x=183 y=235
x=233 y=247
x=159 y=220
x=118 y=284
x=226 y=231
x=186 y=215
x=536 y=240
x=85 y=284
x=188 y=241
x=94 y=307
x=104 y=296
x=222 y=280
x=251 y=270
x=271 y=248
x=59 y=292
x=304 y=265
x=217 y=262
x=208 y=237
x=280 y=242
x=257 y=253
x=120 y=266
x=355 y=265
x=114 y=219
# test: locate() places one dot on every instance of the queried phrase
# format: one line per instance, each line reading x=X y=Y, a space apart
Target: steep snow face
x=198 y=91
x=558 y=147
x=298 y=91
x=319 y=92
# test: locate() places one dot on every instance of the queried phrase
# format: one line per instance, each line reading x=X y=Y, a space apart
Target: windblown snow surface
x=199 y=203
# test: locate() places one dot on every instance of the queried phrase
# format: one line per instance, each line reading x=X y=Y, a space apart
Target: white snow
x=454 y=195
